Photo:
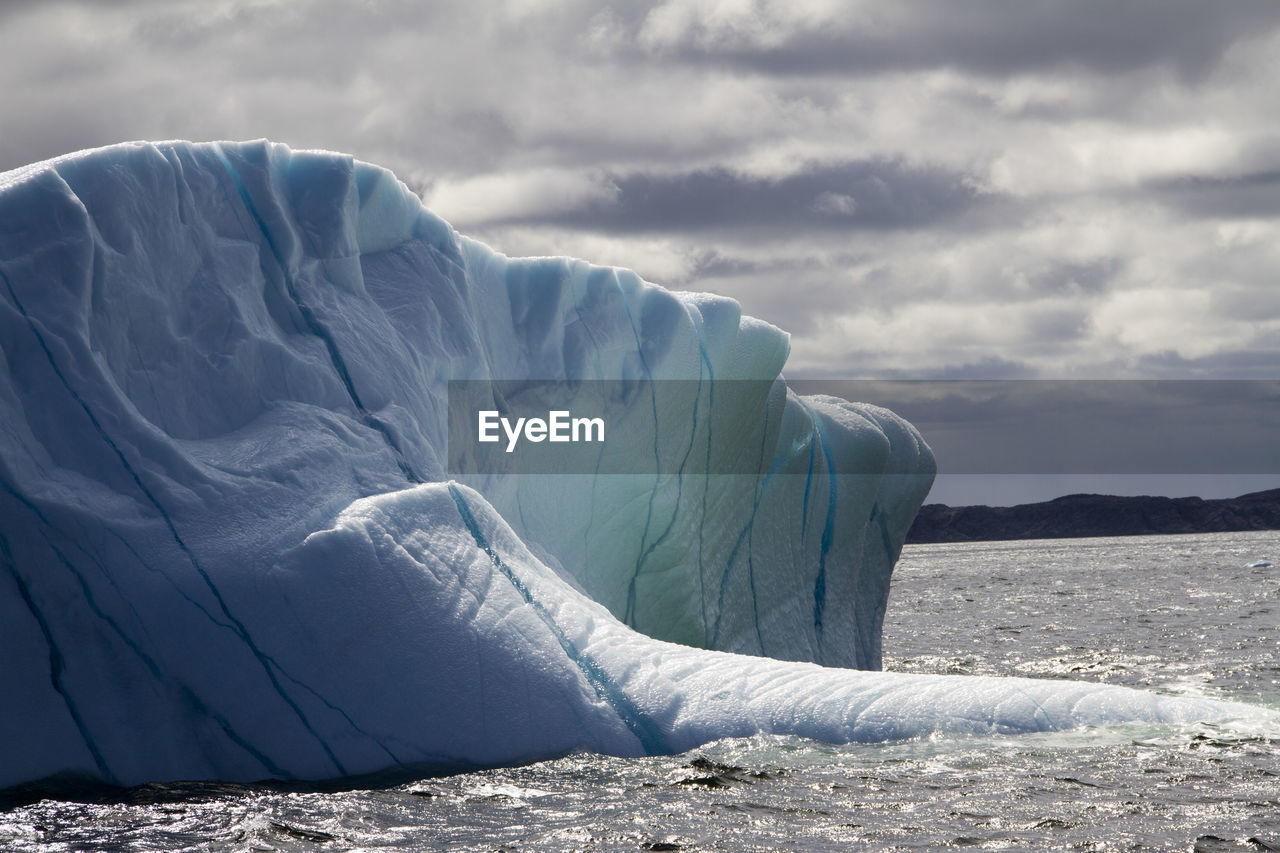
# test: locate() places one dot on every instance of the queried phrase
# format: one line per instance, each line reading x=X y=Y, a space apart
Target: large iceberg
x=231 y=545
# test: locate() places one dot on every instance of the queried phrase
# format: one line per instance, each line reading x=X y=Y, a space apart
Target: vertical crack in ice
x=629 y=616
x=57 y=667
x=751 y=534
x=190 y=694
x=869 y=654
x=315 y=326
x=637 y=721
x=149 y=662
x=78 y=540
x=808 y=484
x=577 y=309
x=176 y=588
x=684 y=462
x=828 y=526
x=238 y=626
x=745 y=537
x=696 y=318
x=595 y=479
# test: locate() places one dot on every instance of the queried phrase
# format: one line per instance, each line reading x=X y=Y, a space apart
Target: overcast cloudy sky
x=983 y=189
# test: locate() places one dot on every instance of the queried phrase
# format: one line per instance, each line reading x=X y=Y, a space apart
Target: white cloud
x=517 y=195
x=1156 y=320
x=1081 y=157
x=742 y=23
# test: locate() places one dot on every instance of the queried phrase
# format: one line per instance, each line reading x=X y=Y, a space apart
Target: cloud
x=1247 y=196
x=1000 y=187
x=539 y=195
x=843 y=196
x=993 y=37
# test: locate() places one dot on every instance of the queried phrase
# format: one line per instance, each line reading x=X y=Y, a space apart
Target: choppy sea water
x=1178 y=614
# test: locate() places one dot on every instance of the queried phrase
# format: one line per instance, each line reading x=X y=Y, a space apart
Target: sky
x=914 y=190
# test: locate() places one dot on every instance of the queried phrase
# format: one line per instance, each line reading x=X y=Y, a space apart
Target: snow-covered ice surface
x=229 y=548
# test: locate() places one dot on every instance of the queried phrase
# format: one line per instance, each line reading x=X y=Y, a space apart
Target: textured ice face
x=228 y=550
x=270 y=333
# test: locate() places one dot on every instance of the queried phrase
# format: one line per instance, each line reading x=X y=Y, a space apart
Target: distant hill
x=1096 y=515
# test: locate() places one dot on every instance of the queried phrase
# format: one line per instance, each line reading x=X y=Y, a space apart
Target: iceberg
x=233 y=545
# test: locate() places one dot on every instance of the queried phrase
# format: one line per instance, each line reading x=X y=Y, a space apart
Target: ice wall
x=227 y=549
x=242 y=334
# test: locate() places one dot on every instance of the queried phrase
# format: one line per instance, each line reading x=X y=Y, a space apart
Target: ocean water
x=1177 y=614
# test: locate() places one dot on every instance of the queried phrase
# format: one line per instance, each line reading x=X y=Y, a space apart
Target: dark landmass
x=1096 y=515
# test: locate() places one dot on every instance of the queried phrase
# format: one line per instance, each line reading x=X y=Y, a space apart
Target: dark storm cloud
x=999 y=37
x=323 y=40
x=1064 y=276
x=16 y=8
x=1262 y=362
x=1085 y=426
x=1255 y=195
x=839 y=197
x=713 y=264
